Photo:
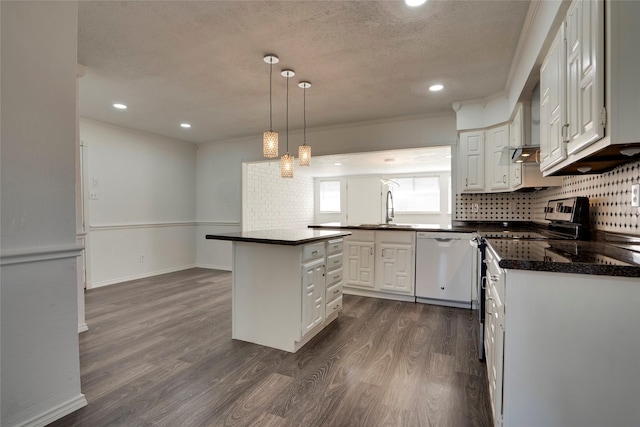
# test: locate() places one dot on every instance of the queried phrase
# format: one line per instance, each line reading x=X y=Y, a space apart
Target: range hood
x=526 y=154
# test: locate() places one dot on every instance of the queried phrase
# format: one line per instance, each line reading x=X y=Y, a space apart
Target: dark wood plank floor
x=159 y=353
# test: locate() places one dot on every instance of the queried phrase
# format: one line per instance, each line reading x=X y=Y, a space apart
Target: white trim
x=83 y=327
x=106 y=227
x=377 y=294
x=219 y=223
x=215 y=267
x=529 y=19
x=55 y=413
x=22 y=256
x=138 y=276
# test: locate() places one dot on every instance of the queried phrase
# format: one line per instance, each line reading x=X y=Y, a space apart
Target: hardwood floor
x=159 y=353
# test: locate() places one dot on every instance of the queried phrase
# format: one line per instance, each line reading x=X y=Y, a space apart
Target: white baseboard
x=54 y=413
x=83 y=327
x=376 y=294
x=94 y=285
x=215 y=267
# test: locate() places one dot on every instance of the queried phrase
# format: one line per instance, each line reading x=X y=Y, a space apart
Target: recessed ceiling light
x=120 y=106
x=414 y=3
x=436 y=88
x=337 y=164
x=185 y=125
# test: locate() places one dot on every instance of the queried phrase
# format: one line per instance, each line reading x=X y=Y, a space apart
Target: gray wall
x=39 y=327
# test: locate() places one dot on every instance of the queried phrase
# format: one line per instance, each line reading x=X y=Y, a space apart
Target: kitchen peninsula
x=287 y=284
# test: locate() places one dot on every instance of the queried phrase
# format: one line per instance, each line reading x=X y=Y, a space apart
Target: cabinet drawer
x=334 y=277
x=334 y=306
x=334 y=261
x=313 y=251
x=334 y=291
x=334 y=246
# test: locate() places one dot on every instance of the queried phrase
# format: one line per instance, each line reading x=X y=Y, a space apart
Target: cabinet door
x=552 y=104
x=585 y=73
x=471 y=161
x=359 y=264
x=395 y=268
x=313 y=295
x=494 y=348
x=497 y=142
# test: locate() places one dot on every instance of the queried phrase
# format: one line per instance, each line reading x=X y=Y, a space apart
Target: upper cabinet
x=484 y=159
x=590 y=88
x=471 y=161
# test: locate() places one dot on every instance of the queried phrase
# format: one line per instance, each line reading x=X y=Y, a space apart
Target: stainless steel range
x=568 y=220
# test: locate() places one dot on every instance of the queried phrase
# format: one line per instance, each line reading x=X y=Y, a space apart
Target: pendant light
x=270 y=138
x=286 y=161
x=304 y=150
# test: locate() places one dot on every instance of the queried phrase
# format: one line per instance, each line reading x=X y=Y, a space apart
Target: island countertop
x=292 y=237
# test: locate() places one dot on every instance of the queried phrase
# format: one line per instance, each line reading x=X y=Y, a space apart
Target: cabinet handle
x=565 y=139
x=315 y=252
x=466 y=182
x=442 y=288
x=371 y=251
x=504 y=179
x=335 y=261
x=336 y=277
x=538 y=156
x=488 y=312
x=337 y=291
x=336 y=307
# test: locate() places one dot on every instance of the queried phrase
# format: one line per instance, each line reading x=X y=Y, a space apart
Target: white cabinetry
x=280 y=292
x=359 y=259
x=380 y=263
x=554 y=362
x=591 y=71
x=394 y=266
x=471 y=161
x=313 y=291
x=494 y=333
x=497 y=164
x=333 y=294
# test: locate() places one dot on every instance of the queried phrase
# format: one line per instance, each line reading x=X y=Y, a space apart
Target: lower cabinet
x=284 y=295
x=313 y=290
x=562 y=349
x=380 y=263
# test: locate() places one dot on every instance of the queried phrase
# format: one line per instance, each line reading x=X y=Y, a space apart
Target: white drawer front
x=313 y=251
x=334 y=261
x=334 y=276
x=334 y=246
x=334 y=306
x=334 y=291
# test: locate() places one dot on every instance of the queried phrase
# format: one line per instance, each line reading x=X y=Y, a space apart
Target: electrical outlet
x=93 y=195
x=635 y=195
x=141 y=258
x=475 y=208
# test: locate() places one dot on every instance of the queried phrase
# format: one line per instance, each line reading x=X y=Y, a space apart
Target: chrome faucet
x=389 y=217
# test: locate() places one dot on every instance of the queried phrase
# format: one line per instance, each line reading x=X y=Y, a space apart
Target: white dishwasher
x=444 y=265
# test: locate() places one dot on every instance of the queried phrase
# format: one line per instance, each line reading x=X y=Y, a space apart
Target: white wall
x=273 y=202
x=39 y=349
x=142 y=191
x=219 y=168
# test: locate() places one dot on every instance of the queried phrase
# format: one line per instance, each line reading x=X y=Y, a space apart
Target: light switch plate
x=635 y=195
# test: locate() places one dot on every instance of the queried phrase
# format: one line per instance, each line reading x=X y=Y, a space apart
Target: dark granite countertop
x=279 y=237
x=567 y=256
x=395 y=227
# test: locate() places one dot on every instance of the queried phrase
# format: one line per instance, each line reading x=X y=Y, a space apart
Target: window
x=330 y=196
x=417 y=194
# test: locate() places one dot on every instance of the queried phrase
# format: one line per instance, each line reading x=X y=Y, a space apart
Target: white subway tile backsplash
x=275 y=202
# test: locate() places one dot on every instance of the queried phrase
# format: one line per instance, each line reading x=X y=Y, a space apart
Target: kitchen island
x=287 y=285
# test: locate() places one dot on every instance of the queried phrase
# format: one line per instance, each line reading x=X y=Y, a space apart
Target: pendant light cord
x=270 y=107
x=304 y=110
x=287 y=115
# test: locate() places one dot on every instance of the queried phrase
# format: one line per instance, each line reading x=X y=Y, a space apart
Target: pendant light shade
x=287 y=161
x=270 y=138
x=304 y=150
x=286 y=166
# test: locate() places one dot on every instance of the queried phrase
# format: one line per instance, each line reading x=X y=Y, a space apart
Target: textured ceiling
x=201 y=62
